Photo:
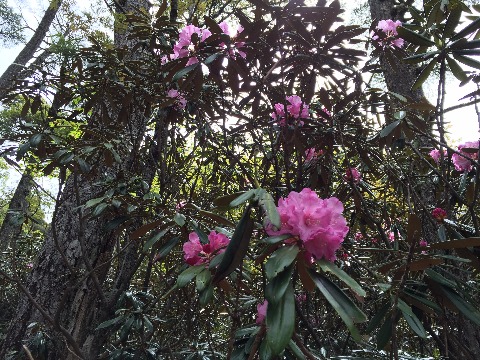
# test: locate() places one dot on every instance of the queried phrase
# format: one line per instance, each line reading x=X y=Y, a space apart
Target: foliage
x=223 y=162
x=11 y=28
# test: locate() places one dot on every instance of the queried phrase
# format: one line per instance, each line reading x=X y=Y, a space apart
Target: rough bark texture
x=27 y=53
x=67 y=290
x=399 y=78
x=11 y=226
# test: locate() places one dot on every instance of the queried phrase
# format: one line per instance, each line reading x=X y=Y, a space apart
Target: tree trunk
x=11 y=74
x=12 y=226
x=66 y=291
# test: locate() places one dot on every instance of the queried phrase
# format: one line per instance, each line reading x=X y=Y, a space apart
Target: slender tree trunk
x=12 y=226
x=66 y=292
x=11 y=74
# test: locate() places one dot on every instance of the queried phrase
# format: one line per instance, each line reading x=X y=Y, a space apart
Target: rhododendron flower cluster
x=389 y=27
x=391 y=236
x=261 y=312
x=312 y=153
x=352 y=174
x=423 y=243
x=464 y=164
x=180 y=101
x=318 y=223
x=185 y=47
x=236 y=45
x=296 y=111
x=439 y=214
x=436 y=155
x=197 y=253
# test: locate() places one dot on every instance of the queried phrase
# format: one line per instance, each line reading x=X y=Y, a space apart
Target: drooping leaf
x=153 y=240
x=276 y=239
x=467 y=309
x=280 y=322
x=278 y=285
x=412 y=320
x=237 y=248
x=424 y=74
x=165 y=249
x=385 y=333
x=203 y=279
x=379 y=315
x=342 y=275
x=343 y=305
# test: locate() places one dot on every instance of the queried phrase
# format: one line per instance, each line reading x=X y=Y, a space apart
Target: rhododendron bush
x=275 y=203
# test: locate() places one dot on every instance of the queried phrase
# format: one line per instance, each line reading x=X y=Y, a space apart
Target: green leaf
x=165 y=249
x=424 y=74
x=452 y=21
x=203 y=279
x=467 y=309
x=184 y=71
x=470 y=28
x=99 y=209
x=342 y=275
x=278 y=285
x=242 y=198
x=237 y=248
x=179 y=219
x=94 y=202
x=389 y=128
x=187 y=275
x=110 y=322
x=467 y=61
x=456 y=69
x=414 y=323
x=385 y=333
x=413 y=37
x=280 y=259
x=152 y=241
x=224 y=201
x=281 y=322
x=379 y=315
x=268 y=204
x=296 y=350
x=343 y=305
x=206 y=295
x=276 y=239
x=125 y=330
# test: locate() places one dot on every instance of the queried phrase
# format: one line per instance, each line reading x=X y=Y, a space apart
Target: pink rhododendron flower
x=389 y=27
x=461 y=163
x=235 y=45
x=318 y=223
x=423 y=243
x=312 y=153
x=196 y=253
x=439 y=214
x=301 y=297
x=185 y=46
x=180 y=101
x=180 y=205
x=352 y=174
x=261 y=312
x=436 y=155
x=296 y=110
x=358 y=236
x=391 y=236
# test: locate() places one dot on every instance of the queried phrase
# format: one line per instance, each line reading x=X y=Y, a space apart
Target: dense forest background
x=240 y=179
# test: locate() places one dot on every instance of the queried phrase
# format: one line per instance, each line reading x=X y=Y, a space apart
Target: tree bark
x=11 y=74
x=11 y=226
x=66 y=291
